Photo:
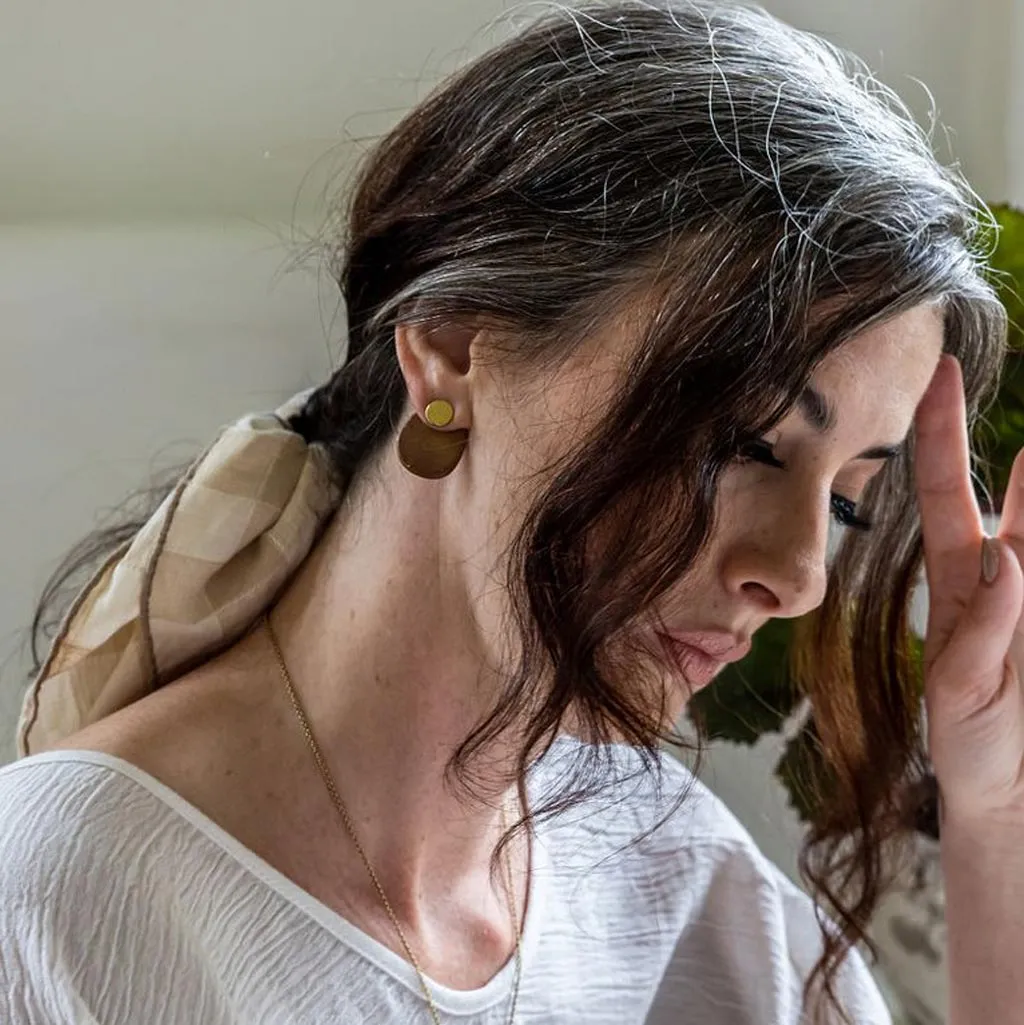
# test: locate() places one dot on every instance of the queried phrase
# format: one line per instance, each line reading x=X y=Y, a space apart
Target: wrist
x=983 y=879
x=1001 y=830
x=983 y=876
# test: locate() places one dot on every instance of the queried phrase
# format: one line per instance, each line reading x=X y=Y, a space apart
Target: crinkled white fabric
x=122 y=904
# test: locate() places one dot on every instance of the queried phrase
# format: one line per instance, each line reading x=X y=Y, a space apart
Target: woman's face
x=767 y=555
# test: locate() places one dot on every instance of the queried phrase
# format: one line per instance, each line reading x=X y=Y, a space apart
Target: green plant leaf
x=1007 y=260
x=916 y=646
x=802 y=770
x=999 y=435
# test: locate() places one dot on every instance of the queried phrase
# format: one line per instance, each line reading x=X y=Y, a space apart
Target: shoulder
x=661 y=847
x=102 y=865
x=204 y=738
x=89 y=840
x=653 y=829
x=63 y=814
x=765 y=933
x=40 y=794
x=72 y=828
x=86 y=836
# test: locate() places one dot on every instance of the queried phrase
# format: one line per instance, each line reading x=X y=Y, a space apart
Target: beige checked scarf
x=195 y=578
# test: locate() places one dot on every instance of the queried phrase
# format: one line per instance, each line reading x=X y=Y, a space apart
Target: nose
x=778 y=562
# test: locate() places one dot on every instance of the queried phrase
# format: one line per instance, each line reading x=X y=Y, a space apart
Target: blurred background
x=162 y=168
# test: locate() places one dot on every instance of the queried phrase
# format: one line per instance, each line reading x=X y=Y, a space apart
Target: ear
x=436 y=364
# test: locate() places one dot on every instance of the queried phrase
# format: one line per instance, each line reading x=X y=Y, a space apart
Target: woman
x=637 y=302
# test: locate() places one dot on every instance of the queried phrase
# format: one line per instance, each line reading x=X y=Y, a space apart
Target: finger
x=950 y=519
x=969 y=671
x=1011 y=522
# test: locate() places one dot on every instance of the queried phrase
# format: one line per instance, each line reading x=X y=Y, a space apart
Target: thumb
x=968 y=672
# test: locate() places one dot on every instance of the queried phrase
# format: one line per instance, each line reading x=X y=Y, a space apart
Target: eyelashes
x=844 y=510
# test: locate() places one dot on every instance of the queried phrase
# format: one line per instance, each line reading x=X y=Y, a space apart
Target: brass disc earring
x=427 y=451
x=439 y=413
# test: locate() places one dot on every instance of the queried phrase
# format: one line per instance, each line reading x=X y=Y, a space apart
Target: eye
x=844 y=510
x=759 y=452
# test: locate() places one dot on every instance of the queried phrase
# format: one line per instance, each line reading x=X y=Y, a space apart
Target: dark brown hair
x=760 y=199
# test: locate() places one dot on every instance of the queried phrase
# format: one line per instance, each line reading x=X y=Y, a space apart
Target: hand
x=974 y=646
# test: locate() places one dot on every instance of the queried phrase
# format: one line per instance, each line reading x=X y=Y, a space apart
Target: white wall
x=115 y=109
x=119 y=109
x=962 y=50
x=125 y=348
x=1015 y=108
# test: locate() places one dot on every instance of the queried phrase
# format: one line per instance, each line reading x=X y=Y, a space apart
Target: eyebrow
x=821 y=415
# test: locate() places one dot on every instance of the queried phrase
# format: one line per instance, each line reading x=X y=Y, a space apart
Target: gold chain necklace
x=339 y=804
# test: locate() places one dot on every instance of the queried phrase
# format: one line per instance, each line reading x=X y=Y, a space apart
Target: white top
x=122 y=904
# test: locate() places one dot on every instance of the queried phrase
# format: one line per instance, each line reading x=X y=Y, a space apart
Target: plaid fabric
x=194 y=579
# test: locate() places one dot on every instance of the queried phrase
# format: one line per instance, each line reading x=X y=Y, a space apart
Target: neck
x=382 y=650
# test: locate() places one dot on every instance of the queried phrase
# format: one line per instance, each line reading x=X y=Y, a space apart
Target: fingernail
x=989 y=560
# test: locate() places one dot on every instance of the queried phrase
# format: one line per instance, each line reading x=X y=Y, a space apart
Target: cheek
x=746 y=500
x=516 y=448
x=753 y=512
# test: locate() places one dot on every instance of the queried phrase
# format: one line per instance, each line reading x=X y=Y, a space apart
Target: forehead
x=877 y=378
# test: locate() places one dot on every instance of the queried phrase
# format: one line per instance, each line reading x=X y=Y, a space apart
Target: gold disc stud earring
x=439 y=413
x=426 y=450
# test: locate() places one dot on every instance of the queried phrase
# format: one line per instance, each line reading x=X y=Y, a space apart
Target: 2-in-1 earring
x=425 y=449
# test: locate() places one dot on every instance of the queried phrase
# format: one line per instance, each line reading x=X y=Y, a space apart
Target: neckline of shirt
x=447 y=999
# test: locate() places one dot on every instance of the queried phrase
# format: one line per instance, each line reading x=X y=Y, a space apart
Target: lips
x=699 y=657
x=726 y=647
x=696 y=667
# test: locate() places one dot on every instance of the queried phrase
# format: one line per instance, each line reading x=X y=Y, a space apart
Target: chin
x=680 y=691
